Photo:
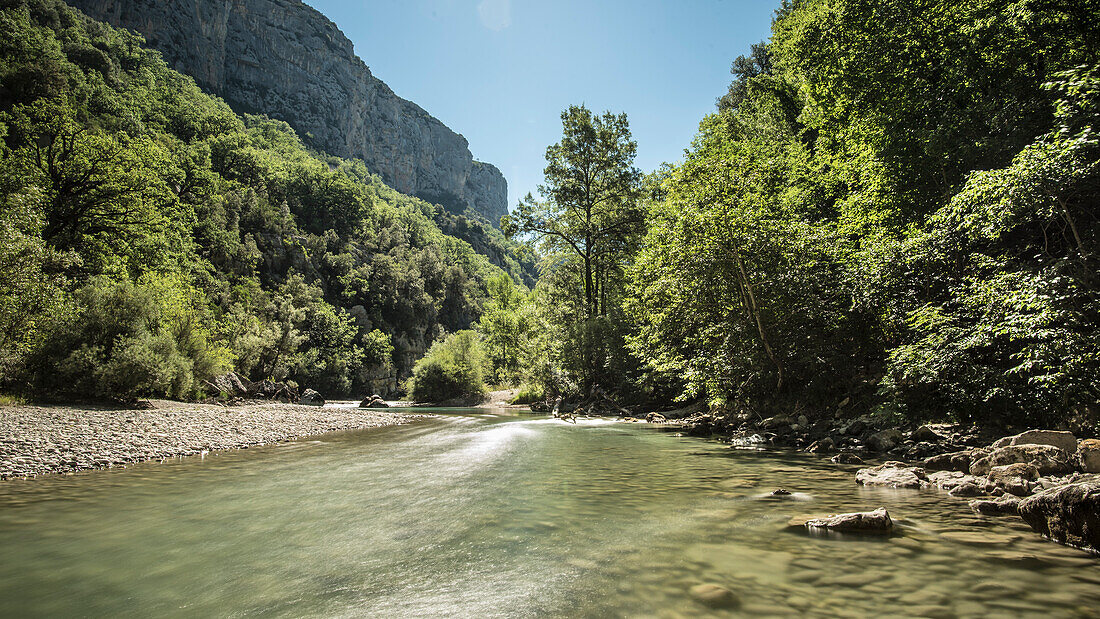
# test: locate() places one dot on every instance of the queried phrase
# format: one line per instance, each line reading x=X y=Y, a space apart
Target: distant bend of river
x=502 y=514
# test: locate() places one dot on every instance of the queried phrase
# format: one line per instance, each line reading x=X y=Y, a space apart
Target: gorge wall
x=287 y=60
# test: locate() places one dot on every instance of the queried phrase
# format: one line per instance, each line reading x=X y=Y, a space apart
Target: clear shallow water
x=480 y=514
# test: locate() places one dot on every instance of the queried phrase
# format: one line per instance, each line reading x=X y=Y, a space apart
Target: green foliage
x=118 y=175
x=453 y=368
x=528 y=394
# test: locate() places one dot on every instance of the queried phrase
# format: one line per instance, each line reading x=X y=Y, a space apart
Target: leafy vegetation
x=150 y=237
x=453 y=368
x=894 y=205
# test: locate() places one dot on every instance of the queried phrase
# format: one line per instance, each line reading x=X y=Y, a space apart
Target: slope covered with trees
x=895 y=205
x=150 y=238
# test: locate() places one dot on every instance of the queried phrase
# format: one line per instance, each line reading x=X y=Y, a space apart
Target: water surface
x=505 y=514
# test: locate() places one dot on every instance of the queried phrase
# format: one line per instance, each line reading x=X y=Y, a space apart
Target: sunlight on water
x=498 y=514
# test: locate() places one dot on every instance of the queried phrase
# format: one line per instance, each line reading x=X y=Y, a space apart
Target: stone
x=1068 y=514
x=778 y=421
x=1065 y=441
x=968 y=489
x=781 y=492
x=655 y=418
x=285 y=59
x=1015 y=478
x=1048 y=459
x=714 y=596
x=226 y=385
x=1008 y=505
x=892 y=474
x=884 y=440
x=375 y=401
x=846 y=457
x=824 y=446
x=1088 y=455
x=954 y=461
x=311 y=398
x=927 y=433
x=876 y=522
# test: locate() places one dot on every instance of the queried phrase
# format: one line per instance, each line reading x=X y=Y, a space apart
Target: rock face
x=1068 y=514
x=285 y=59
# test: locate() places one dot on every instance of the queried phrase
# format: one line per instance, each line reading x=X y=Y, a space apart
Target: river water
x=505 y=514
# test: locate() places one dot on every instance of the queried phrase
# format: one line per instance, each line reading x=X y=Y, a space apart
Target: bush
x=453 y=368
x=528 y=394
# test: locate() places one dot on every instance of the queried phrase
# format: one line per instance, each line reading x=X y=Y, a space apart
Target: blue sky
x=500 y=72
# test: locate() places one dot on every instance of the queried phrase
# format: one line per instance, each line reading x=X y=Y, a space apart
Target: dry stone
x=1065 y=441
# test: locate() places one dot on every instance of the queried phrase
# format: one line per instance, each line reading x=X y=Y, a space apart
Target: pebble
x=61 y=439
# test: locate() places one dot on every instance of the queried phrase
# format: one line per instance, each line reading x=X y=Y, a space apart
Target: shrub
x=453 y=367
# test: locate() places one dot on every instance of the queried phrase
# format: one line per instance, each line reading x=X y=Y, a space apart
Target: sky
x=500 y=72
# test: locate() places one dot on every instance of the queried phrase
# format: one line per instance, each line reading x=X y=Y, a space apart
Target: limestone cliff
x=287 y=60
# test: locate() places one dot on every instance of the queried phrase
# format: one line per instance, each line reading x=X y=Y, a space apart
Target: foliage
x=453 y=368
x=120 y=179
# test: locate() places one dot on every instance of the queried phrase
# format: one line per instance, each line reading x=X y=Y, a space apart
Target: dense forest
x=894 y=208
x=151 y=238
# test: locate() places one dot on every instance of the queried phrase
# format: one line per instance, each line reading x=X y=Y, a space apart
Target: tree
x=590 y=197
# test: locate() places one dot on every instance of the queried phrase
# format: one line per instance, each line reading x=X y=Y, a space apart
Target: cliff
x=287 y=60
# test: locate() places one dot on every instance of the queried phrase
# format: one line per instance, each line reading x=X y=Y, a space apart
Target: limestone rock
x=1088 y=455
x=954 y=461
x=877 y=522
x=1065 y=441
x=1008 y=505
x=714 y=596
x=287 y=60
x=884 y=440
x=892 y=474
x=311 y=398
x=1049 y=460
x=375 y=401
x=1068 y=514
x=968 y=489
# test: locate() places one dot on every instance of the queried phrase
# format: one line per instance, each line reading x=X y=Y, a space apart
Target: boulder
x=968 y=489
x=846 y=457
x=892 y=474
x=1065 y=441
x=954 y=461
x=1004 y=506
x=1015 y=479
x=1068 y=514
x=779 y=421
x=927 y=433
x=824 y=446
x=655 y=418
x=1048 y=459
x=876 y=522
x=375 y=401
x=714 y=596
x=885 y=440
x=311 y=398
x=1088 y=455
x=980 y=466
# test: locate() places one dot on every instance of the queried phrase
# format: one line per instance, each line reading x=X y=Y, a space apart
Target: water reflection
x=496 y=513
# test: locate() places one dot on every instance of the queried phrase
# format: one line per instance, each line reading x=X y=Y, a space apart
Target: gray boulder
x=374 y=401
x=1068 y=514
x=892 y=474
x=1004 y=506
x=1048 y=459
x=876 y=522
x=311 y=398
x=954 y=461
x=1088 y=455
x=1065 y=441
x=884 y=440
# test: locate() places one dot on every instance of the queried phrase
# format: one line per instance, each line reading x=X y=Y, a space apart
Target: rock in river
x=892 y=474
x=877 y=522
x=1048 y=459
x=1088 y=455
x=714 y=596
x=1068 y=514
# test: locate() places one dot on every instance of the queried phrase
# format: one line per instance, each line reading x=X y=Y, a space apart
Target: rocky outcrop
x=285 y=59
x=1069 y=514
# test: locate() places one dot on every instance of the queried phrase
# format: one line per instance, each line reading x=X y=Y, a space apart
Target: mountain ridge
x=285 y=59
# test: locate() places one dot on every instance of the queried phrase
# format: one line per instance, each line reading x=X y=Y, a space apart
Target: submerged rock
x=892 y=474
x=1065 y=441
x=714 y=596
x=876 y=522
x=1068 y=514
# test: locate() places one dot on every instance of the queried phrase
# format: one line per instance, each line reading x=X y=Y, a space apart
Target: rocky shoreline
x=39 y=440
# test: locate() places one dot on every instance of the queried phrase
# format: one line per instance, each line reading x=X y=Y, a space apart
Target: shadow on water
x=480 y=512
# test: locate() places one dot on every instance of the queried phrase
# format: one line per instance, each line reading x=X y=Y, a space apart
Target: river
x=482 y=513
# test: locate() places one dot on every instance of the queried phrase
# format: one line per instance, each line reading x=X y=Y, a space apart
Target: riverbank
x=38 y=440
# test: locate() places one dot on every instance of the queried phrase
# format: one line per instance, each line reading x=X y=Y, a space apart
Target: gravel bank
x=36 y=440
